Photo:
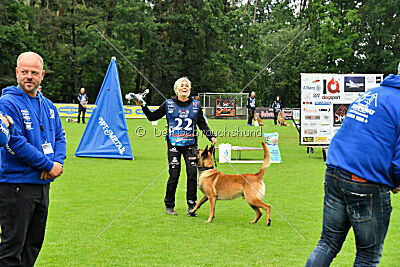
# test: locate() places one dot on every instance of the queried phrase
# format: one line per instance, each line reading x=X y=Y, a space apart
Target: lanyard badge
x=47 y=148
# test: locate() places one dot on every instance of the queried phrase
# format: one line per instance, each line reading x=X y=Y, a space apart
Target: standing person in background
x=83 y=100
x=33 y=158
x=277 y=106
x=251 y=107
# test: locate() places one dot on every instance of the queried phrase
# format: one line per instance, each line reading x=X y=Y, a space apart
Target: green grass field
x=91 y=192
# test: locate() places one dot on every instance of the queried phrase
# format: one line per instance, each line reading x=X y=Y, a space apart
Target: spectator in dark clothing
x=277 y=106
x=251 y=107
x=83 y=100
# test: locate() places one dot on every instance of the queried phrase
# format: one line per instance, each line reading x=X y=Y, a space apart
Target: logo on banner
x=307 y=103
x=321 y=139
x=310 y=131
x=310 y=124
x=312 y=117
x=371 y=79
x=326 y=117
x=323 y=103
x=325 y=132
x=324 y=109
x=314 y=88
x=308 y=139
x=339 y=112
x=309 y=110
x=332 y=86
x=354 y=84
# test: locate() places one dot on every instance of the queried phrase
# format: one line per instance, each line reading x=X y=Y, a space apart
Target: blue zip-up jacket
x=368 y=142
x=23 y=159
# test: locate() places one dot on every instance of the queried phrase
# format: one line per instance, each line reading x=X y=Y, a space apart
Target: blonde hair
x=179 y=81
x=30 y=54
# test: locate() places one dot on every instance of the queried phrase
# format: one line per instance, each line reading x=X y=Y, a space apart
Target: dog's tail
x=267 y=159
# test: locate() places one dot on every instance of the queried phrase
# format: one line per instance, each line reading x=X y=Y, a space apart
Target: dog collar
x=202 y=169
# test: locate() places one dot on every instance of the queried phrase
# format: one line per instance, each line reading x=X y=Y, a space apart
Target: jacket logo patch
x=52 y=114
x=27 y=119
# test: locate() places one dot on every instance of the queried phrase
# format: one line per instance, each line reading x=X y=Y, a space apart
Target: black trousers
x=83 y=110
x=23 y=216
x=276 y=116
x=251 y=116
x=189 y=154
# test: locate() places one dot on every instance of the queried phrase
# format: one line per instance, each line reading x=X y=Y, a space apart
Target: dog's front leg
x=212 y=200
x=198 y=205
x=214 y=186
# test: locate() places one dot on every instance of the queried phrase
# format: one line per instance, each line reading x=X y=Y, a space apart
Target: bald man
x=32 y=160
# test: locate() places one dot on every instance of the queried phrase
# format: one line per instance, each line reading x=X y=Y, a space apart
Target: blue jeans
x=362 y=205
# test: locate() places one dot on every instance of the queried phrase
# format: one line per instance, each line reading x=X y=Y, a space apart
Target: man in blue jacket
x=32 y=159
x=363 y=166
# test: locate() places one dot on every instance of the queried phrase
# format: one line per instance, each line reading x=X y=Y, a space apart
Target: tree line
x=219 y=45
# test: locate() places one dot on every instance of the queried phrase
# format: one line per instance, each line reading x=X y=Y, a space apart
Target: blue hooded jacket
x=23 y=159
x=368 y=142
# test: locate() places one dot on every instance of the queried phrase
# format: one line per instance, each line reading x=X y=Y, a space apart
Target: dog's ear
x=205 y=152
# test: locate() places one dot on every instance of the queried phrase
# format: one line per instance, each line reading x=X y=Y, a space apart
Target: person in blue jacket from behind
x=33 y=157
x=363 y=166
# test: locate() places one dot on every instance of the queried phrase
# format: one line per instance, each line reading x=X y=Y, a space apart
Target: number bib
x=182 y=122
x=252 y=102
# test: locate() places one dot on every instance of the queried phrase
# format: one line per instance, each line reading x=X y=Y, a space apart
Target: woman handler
x=183 y=113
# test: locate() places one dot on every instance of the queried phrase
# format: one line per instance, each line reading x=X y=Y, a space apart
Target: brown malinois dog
x=281 y=120
x=217 y=185
x=258 y=119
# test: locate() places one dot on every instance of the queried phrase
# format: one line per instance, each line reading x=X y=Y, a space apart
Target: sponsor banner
x=287 y=113
x=71 y=110
x=326 y=99
x=271 y=139
x=225 y=107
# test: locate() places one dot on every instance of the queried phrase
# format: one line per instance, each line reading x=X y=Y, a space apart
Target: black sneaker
x=194 y=214
x=170 y=211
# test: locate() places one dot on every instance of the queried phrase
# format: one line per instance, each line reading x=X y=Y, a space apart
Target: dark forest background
x=219 y=45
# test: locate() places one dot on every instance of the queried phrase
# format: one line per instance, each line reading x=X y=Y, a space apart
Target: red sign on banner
x=225 y=107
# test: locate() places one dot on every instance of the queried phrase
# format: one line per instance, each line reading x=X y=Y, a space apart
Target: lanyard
x=39 y=117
